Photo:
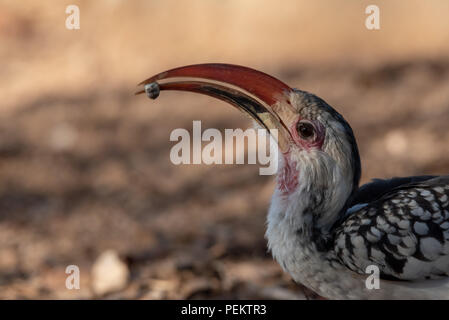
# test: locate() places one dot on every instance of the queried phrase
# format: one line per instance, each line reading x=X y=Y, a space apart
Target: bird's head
x=319 y=154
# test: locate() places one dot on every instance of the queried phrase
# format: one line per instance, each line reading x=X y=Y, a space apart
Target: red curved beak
x=265 y=98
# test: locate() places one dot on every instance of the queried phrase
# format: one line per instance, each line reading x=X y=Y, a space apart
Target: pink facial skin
x=288 y=175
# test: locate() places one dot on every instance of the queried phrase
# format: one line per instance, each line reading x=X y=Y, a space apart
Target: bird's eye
x=305 y=130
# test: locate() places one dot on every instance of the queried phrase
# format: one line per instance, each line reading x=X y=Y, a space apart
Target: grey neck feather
x=299 y=224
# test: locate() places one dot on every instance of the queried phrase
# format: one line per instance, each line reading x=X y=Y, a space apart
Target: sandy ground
x=84 y=164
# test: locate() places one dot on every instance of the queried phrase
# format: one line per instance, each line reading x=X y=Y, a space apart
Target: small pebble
x=109 y=273
x=152 y=90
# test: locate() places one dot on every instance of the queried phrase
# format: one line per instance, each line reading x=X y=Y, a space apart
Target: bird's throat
x=287 y=177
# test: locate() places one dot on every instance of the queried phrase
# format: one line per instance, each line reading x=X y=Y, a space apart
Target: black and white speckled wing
x=405 y=232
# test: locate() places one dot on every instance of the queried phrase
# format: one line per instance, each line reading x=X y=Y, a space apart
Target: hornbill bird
x=322 y=228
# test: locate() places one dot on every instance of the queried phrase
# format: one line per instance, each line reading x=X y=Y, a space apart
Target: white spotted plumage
x=416 y=237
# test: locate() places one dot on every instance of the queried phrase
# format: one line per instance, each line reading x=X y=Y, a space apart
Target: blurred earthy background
x=85 y=176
